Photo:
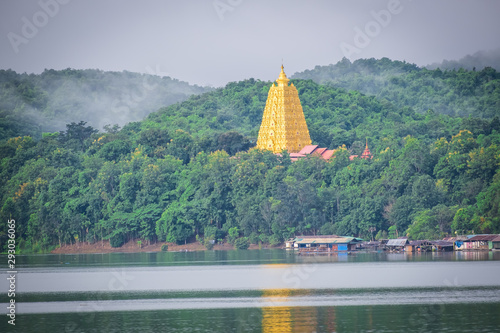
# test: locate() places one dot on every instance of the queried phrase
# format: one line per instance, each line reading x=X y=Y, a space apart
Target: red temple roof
x=328 y=154
x=367 y=155
x=309 y=149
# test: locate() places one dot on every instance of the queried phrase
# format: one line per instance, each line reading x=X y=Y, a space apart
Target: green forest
x=188 y=172
x=453 y=92
x=31 y=104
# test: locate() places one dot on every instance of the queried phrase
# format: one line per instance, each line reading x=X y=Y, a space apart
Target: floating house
x=371 y=245
x=477 y=242
x=329 y=243
x=481 y=242
x=418 y=246
x=442 y=245
x=495 y=243
x=334 y=243
x=461 y=243
x=398 y=244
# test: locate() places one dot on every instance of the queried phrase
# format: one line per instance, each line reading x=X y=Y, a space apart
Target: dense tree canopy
x=31 y=104
x=456 y=92
x=190 y=170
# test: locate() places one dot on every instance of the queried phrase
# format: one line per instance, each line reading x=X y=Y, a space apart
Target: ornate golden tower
x=283 y=123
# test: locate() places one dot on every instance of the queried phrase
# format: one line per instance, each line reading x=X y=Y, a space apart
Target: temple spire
x=282 y=79
x=283 y=123
x=367 y=154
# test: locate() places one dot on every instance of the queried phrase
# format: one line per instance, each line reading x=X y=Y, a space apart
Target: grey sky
x=217 y=41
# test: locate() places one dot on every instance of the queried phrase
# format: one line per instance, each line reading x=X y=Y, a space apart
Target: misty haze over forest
x=477 y=61
x=31 y=104
x=210 y=43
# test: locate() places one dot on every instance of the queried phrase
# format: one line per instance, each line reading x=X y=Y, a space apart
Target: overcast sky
x=212 y=42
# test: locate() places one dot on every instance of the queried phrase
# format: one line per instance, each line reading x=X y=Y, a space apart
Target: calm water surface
x=255 y=291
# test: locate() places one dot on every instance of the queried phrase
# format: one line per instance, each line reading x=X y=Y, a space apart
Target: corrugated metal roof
x=420 y=242
x=442 y=243
x=482 y=238
x=497 y=239
x=397 y=242
x=319 y=236
x=371 y=243
x=325 y=240
x=335 y=240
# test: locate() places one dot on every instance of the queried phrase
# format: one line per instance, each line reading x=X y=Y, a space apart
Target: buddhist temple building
x=283 y=123
x=326 y=154
x=367 y=155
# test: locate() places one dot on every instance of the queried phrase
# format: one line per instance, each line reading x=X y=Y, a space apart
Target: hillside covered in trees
x=189 y=171
x=471 y=62
x=31 y=104
x=458 y=92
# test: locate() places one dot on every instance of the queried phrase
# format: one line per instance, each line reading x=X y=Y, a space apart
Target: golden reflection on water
x=287 y=319
x=281 y=294
x=277 y=319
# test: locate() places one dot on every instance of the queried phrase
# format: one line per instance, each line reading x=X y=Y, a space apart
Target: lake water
x=255 y=291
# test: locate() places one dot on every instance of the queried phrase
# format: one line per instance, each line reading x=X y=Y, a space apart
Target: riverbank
x=132 y=246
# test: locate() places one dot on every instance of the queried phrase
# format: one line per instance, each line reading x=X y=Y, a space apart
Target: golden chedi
x=283 y=123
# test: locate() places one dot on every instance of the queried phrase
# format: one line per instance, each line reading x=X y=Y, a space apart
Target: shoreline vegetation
x=132 y=247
